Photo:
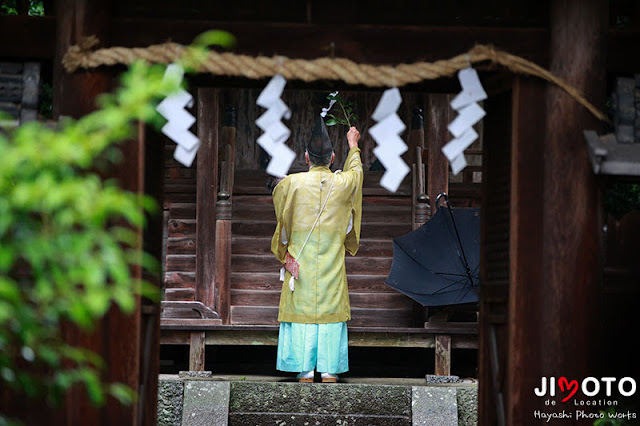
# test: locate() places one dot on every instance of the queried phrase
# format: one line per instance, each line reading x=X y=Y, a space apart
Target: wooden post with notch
x=420 y=205
x=223 y=219
x=438 y=118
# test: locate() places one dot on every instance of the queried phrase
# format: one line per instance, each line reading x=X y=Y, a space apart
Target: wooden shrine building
x=549 y=297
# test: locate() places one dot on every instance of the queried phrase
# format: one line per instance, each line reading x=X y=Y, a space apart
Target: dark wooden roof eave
x=34 y=38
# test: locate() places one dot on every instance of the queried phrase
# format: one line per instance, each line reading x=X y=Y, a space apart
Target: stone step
x=300 y=402
x=214 y=401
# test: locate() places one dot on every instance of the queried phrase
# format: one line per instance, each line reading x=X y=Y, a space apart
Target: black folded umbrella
x=437 y=264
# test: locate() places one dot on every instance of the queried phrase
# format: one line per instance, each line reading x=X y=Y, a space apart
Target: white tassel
x=292 y=283
x=282 y=274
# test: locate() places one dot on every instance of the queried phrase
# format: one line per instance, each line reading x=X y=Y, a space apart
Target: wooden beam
x=206 y=188
x=361 y=43
x=525 y=244
x=438 y=117
x=28 y=37
x=261 y=337
x=33 y=37
x=570 y=285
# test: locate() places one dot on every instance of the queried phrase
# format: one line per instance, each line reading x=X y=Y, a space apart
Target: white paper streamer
x=387 y=134
x=469 y=113
x=275 y=132
x=331 y=102
x=179 y=120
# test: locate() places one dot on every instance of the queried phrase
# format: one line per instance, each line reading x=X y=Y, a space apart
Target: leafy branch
x=67 y=248
x=348 y=116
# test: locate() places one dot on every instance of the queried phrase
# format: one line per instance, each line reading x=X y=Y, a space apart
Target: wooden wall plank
x=355 y=265
x=181 y=245
x=178 y=294
x=180 y=263
x=246 y=245
x=263 y=229
x=369 y=300
x=359 y=317
x=271 y=281
x=182 y=228
x=180 y=280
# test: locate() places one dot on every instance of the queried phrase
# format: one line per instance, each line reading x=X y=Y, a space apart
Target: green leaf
x=122 y=393
x=9 y=290
x=91 y=380
x=331 y=122
x=80 y=314
x=215 y=38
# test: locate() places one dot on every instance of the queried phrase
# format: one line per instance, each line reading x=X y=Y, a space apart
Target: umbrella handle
x=446 y=199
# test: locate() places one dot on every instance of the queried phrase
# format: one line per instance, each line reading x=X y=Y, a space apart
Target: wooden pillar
x=206 y=190
x=74 y=94
x=196 y=351
x=571 y=217
x=525 y=245
x=154 y=244
x=438 y=117
x=117 y=337
x=443 y=355
x=494 y=260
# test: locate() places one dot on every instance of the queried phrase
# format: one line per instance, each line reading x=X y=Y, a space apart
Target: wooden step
x=271 y=281
x=355 y=265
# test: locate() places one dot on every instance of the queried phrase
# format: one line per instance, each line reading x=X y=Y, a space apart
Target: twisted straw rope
x=231 y=64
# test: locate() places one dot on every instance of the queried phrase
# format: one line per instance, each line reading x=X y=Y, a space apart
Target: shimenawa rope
x=258 y=67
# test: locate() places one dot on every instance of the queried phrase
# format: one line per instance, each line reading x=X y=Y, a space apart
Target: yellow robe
x=321 y=294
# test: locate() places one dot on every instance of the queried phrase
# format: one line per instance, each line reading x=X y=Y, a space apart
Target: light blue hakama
x=305 y=347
